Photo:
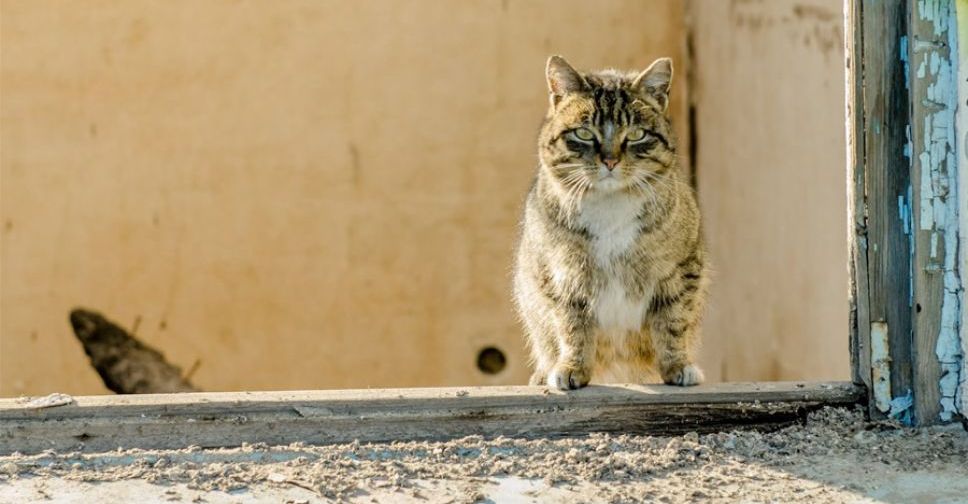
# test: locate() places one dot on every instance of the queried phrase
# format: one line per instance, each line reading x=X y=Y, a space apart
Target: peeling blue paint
x=909 y=145
x=901 y=408
x=904 y=58
x=910 y=235
x=937 y=158
x=904 y=214
x=959 y=42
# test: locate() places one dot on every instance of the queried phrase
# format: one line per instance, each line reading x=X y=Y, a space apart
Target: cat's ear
x=656 y=81
x=562 y=79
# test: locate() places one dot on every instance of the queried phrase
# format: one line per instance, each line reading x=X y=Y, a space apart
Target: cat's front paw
x=685 y=376
x=568 y=378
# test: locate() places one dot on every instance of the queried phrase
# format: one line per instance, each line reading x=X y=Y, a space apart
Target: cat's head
x=607 y=131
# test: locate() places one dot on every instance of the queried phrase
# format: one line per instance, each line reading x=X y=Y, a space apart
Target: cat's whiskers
x=577 y=188
x=651 y=183
x=666 y=183
x=577 y=173
x=647 y=191
x=571 y=180
x=568 y=166
x=575 y=184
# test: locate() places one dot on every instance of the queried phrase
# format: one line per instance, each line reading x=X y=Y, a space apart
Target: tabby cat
x=611 y=274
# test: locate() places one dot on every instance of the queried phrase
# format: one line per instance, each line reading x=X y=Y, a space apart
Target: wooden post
x=860 y=321
x=937 y=283
x=905 y=287
x=880 y=246
x=960 y=383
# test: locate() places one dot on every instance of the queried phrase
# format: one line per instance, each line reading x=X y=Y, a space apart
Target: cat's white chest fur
x=612 y=221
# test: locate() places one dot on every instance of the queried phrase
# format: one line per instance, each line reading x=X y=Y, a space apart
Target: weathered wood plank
x=904 y=160
x=860 y=322
x=955 y=374
x=100 y=423
x=887 y=186
x=933 y=96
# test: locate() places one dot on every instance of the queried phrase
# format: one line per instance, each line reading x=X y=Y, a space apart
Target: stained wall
x=769 y=92
x=284 y=195
x=324 y=194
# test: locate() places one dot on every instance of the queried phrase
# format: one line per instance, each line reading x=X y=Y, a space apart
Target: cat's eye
x=636 y=135
x=584 y=134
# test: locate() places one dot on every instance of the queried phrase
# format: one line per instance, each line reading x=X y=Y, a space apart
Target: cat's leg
x=675 y=341
x=674 y=318
x=544 y=354
x=554 y=309
x=534 y=308
x=576 y=348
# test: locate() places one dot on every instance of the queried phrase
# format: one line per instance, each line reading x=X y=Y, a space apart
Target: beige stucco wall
x=292 y=194
x=772 y=183
x=324 y=194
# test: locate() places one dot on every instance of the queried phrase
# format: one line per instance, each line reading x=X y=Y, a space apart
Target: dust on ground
x=835 y=457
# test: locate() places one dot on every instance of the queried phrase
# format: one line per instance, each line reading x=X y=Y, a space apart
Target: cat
x=610 y=278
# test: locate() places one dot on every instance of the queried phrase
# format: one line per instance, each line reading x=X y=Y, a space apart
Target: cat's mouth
x=608 y=181
x=606 y=174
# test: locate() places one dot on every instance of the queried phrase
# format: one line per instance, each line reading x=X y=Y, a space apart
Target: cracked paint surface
x=959 y=380
x=939 y=200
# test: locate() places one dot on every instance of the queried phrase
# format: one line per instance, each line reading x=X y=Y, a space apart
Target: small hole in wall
x=917 y=307
x=491 y=360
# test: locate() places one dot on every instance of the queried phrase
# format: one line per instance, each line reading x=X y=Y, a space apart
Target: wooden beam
x=952 y=376
x=859 y=293
x=906 y=285
x=888 y=180
x=933 y=77
x=161 y=421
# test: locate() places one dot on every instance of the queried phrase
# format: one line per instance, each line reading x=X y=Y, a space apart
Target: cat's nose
x=610 y=163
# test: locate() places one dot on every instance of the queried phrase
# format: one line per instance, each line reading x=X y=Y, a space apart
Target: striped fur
x=611 y=275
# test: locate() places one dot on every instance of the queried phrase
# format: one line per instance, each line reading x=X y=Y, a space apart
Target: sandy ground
x=835 y=457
